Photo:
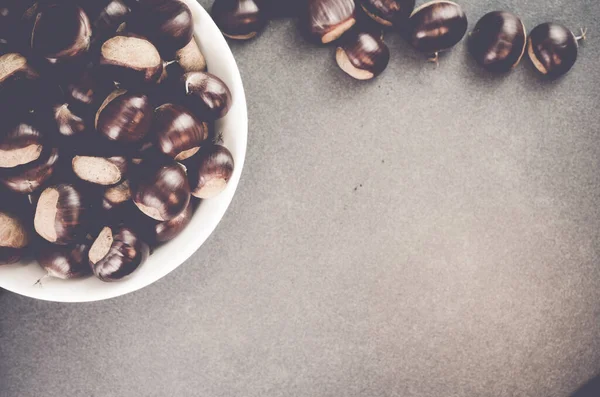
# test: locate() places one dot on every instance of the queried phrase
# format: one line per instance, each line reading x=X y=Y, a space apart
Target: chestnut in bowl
x=130 y=60
x=325 y=21
x=29 y=178
x=61 y=32
x=154 y=232
x=362 y=55
x=65 y=262
x=209 y=171
x=116 y=253
x=239 y=19
x=21 y=142
x=124 y=116
x=436 y=26
x=498 y=41
x=167 y=23
x=160 y=188
x=60 y=214
x=386 y=12
x=14 y=237
x=105 y=171
x=178 y=132
x=205 y=94
x=553 y=49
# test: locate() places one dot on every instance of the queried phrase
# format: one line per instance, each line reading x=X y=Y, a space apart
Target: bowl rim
x=202 y=22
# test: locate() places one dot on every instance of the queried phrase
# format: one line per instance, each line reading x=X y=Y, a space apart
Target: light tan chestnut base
x=12 y=232
x=96 y=170
x=344 y=63
x=45 y=214
x=536 y=62
x=211 y=188
x=101 y=245
x=16 y=157
x=338 y=31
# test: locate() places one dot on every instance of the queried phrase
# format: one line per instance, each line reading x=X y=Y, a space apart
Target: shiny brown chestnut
x=362 y=55
x=105 y=171
x=553 y=49
x=159 y=188
x=190 y=58
x=498 y=41
x=130 y=60
x=60 y=214
x=124 y=116
x=209 y=171
x=30 y=178
x=116 y=253
x=67 y=122
x=167 y=23
x=21 y=143
x=65 y=262
x=239 y=19
x=178 y=132
x=154 y=232
x=326 y=20
x=436 y=26
x=14 y=237
x=107 y=17
x=386 y=12
x=61 y=32
x=115 y=196
x=205 y=94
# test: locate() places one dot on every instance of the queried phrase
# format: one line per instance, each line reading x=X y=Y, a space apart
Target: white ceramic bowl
x=21 y=277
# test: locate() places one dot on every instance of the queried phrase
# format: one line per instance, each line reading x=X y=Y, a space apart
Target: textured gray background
x=432 y=233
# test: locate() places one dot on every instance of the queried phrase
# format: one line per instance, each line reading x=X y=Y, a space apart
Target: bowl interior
x=21 y=277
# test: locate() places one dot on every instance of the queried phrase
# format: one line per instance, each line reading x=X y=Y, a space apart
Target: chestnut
x=209 y=171
x=167 y=23
x=239 y=19
x=159 y=188
x=178 y=132
x=105 y=171
x=362 y=55
x=67 y=122
x=107 y=17
x=124 y=116
x=16 y=76
x=205 y=94
x=60 y=214
x=436 y=26
x=190 y=58
x=130 y=60
x=498 y=41
x=154 y=232
x=326 y=20
x=115 y=196
x=116 y=253
x=30 y=178
x=65 y=262
x=20 y=143
x=552 y=48
x=14 y=238
x=386 y=12
x=61 y=32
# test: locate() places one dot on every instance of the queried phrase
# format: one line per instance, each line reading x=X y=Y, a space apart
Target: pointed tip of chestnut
x=553 y=49
x=239 y=19
x=362 y=55
x=387 y=12
x=498 y=41
x=325 y=21
x=436 y=26
x=116 y=253
x=209 y=171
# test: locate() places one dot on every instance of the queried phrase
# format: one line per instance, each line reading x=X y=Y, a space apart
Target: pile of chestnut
x=107 y=132
x=497 y=43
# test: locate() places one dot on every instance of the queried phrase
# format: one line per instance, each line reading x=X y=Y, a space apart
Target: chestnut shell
x=64 y=262
x=552 y=48
x=209 y=171
x=205 y=94
x=498 y=41
x=436 y=26
x=21 y=143
x=177 y=131
x=325 y=21
x=124 y=116
x=362 y=55
x=31 y=177
x=387 y=12
x=239 y=19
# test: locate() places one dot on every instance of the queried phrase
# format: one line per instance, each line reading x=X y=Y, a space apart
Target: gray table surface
x=432 y=233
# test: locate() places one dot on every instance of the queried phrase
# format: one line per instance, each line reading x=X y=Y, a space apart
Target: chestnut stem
x=583 y=35
x=39 y=282
x=435 y=59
